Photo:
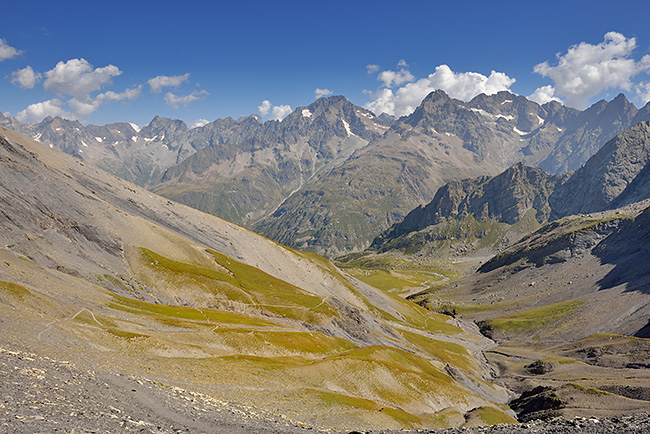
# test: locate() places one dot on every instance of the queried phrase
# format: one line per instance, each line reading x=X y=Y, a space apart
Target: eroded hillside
x=101 y=272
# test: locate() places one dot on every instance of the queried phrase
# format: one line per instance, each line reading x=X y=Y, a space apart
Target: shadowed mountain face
x=98 y=270
x=628 y=249
x=574 y=277
x=609 y=178
x=585 y=134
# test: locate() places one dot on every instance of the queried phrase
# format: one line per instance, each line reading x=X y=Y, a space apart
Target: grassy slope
x=257 y=329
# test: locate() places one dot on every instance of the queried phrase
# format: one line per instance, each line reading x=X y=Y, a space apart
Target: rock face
x=584 y=134
x=609 y=179
x=505 y=198
x=245 y=175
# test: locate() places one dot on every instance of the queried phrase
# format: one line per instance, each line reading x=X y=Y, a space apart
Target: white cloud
x=395 y=78
x=176 y=101
x=39 y=111
x=89 y=105
x=463 y=86
x=157 y=83
x=372 y=68
x=265 y=107
x=83 y=108
x=7 y=51
x=586 y=70
x=111 y=96
x=78 y=78
x=544 y=94
x=25 y=78
x=280 y=112
x=643 y=90
x=383 y=101
x=199 y=123
x=322 y=92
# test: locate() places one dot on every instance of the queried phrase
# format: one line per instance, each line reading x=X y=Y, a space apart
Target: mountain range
x=331 y=176
x=488 y=212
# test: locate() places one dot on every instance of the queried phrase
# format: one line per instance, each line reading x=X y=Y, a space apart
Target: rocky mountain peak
x=161 y=125
x=57 y=121
x=604 y=180
x=502 y=97
x=435 y=99
x=642 y=115
x=505 y=198
x=438 y=108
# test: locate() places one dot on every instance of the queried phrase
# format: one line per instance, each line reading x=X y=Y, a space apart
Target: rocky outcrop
x=584 y=135
x=506 y=198
x=608 y=179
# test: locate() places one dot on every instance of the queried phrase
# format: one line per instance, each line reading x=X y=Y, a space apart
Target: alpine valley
x=331 y=176
x=483 y=262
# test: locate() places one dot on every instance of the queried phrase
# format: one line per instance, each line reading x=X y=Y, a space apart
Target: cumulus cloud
x=463 y=86
x=643 y=90
x=25 y=78
x=544 y=94
x=39 y=111
x=111 y=96
x=265 y=107
x=157 y=83
x=322 y=92
x=586 y=70
x=395 y=78
x=87 y=106
x=7 y=51
x=280 y=112
x=78 y=78
x=372 y=68
x=176 y=101
x=199 y=123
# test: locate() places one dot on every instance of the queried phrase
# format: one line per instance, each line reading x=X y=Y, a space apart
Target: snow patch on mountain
x=518 y=131
x=347 y=127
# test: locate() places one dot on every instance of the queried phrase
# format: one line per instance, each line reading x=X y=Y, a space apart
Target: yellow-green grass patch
x=270 y=291
x=308 y=344
x=532 y=320
x=396 y=357
x=15 y=290
x=448 y=352
x=243 y=283
x=492 y=416
x=167 y=312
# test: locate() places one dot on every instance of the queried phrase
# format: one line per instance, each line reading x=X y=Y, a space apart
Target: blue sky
x=116 y=61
